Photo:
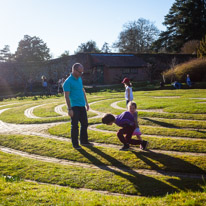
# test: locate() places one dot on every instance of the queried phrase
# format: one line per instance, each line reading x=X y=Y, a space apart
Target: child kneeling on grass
x=126 y=121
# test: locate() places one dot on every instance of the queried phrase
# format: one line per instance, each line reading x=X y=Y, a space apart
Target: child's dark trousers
x=125 y=135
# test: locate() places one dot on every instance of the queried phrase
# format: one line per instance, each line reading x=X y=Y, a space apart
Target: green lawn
x=164 y=143
x=162 y=131
x=106 y=179
x=163 y=175
x=28 y=193
x=105 y=156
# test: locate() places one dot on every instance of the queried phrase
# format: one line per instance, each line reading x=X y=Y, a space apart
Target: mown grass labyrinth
x=35 y=146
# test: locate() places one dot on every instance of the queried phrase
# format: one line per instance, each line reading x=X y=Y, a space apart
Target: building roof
x=117 y=60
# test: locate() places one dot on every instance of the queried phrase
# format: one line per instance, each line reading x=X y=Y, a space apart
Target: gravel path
x=94 y=128
x=58 y=110
x=29 y=112
x=114 y=105
x=40 y=130
x=108 y=168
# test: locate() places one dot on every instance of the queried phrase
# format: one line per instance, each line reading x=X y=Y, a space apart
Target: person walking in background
x=127 y=124
x=44 y=84
x=76 y=101
x=60 y=84
x=188 y=81
x=128 y=90
x=50 y=85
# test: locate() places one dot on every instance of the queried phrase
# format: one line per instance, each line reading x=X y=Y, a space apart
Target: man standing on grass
x=76 y=101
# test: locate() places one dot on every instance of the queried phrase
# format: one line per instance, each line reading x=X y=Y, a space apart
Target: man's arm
x=70 y=111
x=85 y=96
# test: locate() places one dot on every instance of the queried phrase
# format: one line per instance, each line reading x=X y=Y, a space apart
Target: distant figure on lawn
x=127 y=124
x=177 y=85
x=128 y=90
x=162 y=84
x=51 y=85
x=44 y=83
x=188 y=81
x=76 y=101
x=60 y=84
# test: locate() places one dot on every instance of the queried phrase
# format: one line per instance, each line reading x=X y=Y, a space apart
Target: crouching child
x=127 y=124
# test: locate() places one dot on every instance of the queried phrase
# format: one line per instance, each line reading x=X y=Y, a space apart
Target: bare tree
x=65 y=54
x=190 y=47
x=137 y=36
x=105 y=48
x=89 y=46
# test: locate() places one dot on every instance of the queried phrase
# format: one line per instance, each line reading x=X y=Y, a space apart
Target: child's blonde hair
x=132 y=104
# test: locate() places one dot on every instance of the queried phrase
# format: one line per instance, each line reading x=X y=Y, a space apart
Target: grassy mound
x=195 y=68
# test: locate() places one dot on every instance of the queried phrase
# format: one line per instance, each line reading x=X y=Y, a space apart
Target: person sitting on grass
x=177 y=85
x=126 y=121
x=132 y=108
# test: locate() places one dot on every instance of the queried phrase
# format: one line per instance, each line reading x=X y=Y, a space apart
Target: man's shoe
x=87 y=144
x=144 y=145
x=125 y=147
x=77 y=147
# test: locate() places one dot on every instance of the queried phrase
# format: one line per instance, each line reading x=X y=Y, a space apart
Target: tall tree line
x=186 y=21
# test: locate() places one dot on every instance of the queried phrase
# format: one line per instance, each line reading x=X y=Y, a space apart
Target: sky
x=65 y=24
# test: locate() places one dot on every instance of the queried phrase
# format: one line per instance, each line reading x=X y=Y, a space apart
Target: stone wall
x=15 y=74
x=115 y=75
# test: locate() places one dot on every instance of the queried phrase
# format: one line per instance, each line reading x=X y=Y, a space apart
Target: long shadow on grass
x=144 y=185
x=173 y=164
x=163 y=124
x=200 y=131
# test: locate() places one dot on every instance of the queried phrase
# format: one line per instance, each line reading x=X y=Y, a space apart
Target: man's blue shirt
x=75 y=87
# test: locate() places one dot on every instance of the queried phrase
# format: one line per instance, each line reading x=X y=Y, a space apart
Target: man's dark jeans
x=80 y=115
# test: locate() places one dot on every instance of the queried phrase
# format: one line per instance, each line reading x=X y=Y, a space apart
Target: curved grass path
x=58 y=110
x=41 y=130
x=84 y=165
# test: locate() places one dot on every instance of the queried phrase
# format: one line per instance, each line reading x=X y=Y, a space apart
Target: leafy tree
x=137 y=36
x=32 y=49
x=89 y=46
x=65 y=54
x=201 y=52
x=186 y=21
x=5 y=54
x=190 y=47
x=105 y=48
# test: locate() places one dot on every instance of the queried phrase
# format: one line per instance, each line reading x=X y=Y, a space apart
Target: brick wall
x=15 y=74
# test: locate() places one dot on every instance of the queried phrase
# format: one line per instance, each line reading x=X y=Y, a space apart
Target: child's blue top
x=75 y=87
x=125 y=119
